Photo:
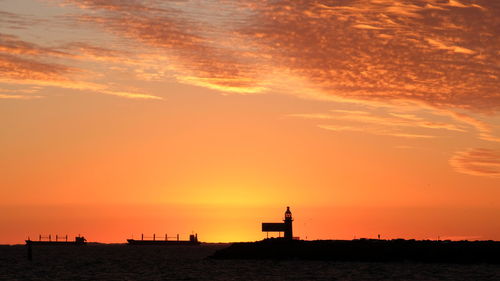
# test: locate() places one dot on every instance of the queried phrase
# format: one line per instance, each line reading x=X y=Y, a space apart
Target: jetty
x=360 y=250
x=366 y=250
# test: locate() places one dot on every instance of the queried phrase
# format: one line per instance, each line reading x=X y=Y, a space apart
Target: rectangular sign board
x=273 y=226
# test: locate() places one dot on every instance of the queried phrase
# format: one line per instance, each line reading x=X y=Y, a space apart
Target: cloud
x=438 y=52
x=17 y=68
x=441 y=56
x=374 y=131
x=16 y=21
x=25 y=63
x=129 y=95
x=85 y=51
x=24 y=94
x=390 y=124
x=485 y=130
x=442 y=53
x=18 y=97
x=443 y=46
x=477 y=162
x=199 y=56
x=13 y=45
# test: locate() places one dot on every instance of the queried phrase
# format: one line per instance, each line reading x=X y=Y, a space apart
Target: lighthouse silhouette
x=285 y=226
x=288 y=224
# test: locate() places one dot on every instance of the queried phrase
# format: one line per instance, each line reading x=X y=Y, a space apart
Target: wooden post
x=166 y=238
x=50 y=237
x=142 y=236
x=177 y=237
x=154 y=236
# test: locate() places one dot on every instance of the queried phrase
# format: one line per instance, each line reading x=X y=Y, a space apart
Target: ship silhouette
x=193 y=240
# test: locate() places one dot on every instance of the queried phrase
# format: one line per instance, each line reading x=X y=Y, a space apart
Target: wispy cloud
x=376 y=50
x=17 y=68
x=25 y=63
x=18 y=97
x=201 y=55
x=13 y=45
x=373 y=130
x=438 y=55
x=16 y=21
x=368 y=50
x=386 y=50
x=390 y=124
x=484 y=130
x=477 y=162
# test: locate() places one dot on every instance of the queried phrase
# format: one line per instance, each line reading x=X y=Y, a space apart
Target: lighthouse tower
x=288 y=224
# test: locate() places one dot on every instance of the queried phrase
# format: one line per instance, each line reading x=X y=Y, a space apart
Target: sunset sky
x=122 y=117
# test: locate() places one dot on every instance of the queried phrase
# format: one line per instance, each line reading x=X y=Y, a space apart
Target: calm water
x=123 y=262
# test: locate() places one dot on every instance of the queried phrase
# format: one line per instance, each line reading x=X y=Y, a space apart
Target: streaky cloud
x=477 y=162
x=25 y=63
x=374 y=131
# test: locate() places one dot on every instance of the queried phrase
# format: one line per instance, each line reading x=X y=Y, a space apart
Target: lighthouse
x=285 y=226
x=288 y=224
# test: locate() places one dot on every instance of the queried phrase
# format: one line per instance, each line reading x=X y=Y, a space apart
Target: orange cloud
x=484 y=129
x=363 y=50
x=13 y=45
x=373 y=130
x=369 y=50
x=15 y=21
x=198 y=58
x=477 y=162
x=16 y=68
x=18 y=97
x=390 y=124
x=386 y=50
x=26 y=63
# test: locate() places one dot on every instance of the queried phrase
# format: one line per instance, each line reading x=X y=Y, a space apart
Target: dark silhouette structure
x=285 y=227
x=47 y=240
x=366 y=250
x=288 y=224
x=193 y=240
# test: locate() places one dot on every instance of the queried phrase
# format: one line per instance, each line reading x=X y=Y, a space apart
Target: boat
x=193 y=240
x=79 y=240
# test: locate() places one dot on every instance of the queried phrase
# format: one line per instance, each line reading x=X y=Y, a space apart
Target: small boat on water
x=60 y=240
x=193 y=240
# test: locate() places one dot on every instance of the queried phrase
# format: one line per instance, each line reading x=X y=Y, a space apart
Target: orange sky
x=366 y=117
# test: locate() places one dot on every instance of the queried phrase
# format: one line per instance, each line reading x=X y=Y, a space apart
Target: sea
x=127 y=262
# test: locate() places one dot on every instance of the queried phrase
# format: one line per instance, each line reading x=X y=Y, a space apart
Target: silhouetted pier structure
x=164 y=240
x=369 y=250
x=366 y=250
x=285 y=227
